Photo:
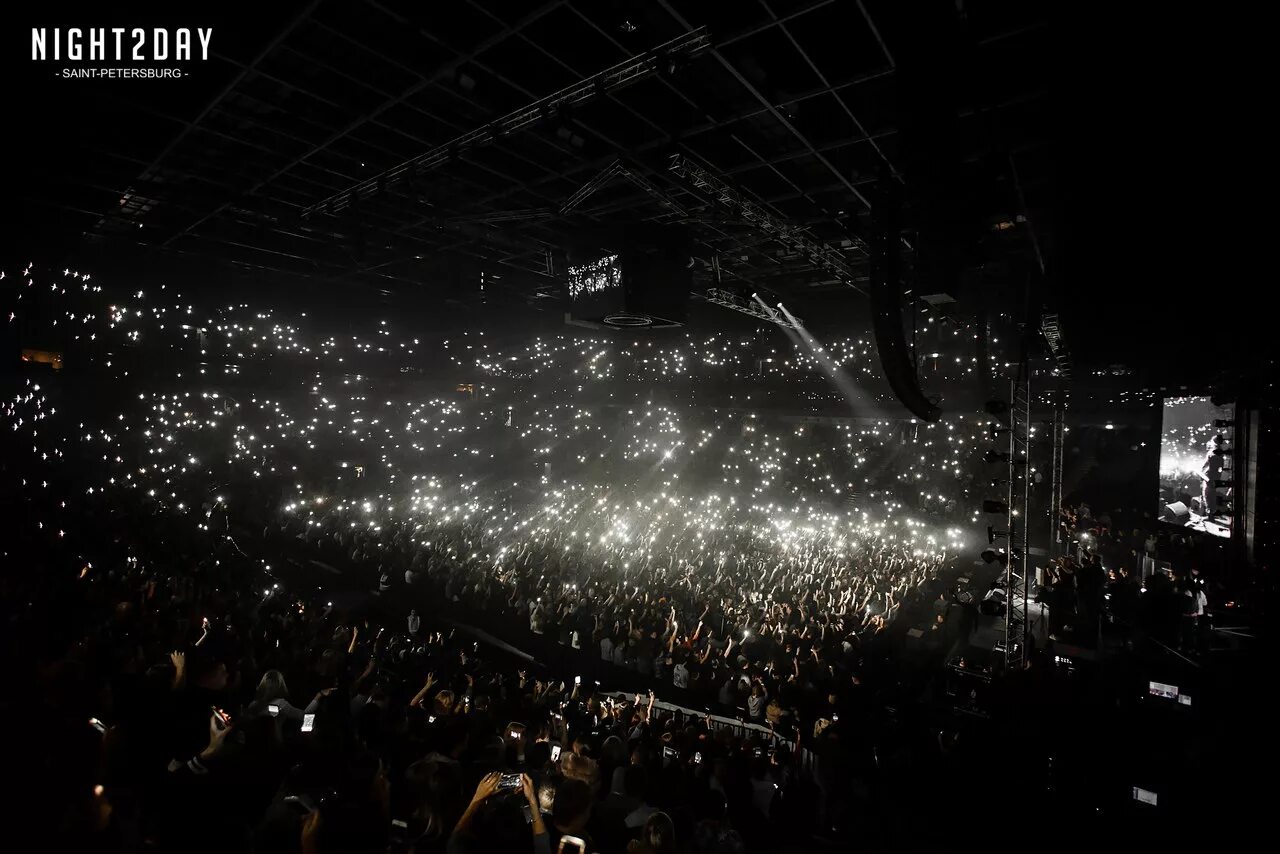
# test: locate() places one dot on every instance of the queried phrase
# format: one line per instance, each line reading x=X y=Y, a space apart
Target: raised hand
x=487 y=787
x=218 y=732
x=179 y=660
x=530 y=794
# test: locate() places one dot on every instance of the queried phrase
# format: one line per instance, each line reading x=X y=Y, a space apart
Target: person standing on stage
x=1210 y=472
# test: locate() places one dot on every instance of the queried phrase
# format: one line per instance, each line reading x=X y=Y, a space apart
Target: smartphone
x=431 y=719
x=98 y=725
x=669 y=754
x=515 y=733
x=308 y=723
x=509 y=781
x=577 y=680
x=399 y=831
x=758 y=752
x=1145 y=796
x=835 y=718
x=555 y=753
x=302 y=803
x=273 y=709
x=571 y=843
x=221 y=717
x=697 y=758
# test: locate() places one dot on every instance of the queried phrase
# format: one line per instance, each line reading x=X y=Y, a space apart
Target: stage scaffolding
x=1019 y=520
x=1057 y=429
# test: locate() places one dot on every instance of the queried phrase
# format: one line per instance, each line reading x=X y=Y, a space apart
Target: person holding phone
x=220 y=728
x=514 y=736
x=272 y=699
x=573 y=805
x=485 y=824
x=204 y=687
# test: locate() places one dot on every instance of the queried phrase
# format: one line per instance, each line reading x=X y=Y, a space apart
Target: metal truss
x=753 y=308
x=1019 y=505
x=488 y=217
x=817 y=254
x=623 y=74
x=1051 y=329
x=618 y=169
x=596 y=183
x=232 y=182
x=1057 y=429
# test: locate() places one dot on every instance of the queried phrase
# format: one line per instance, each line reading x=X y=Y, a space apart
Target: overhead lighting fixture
x=755 y=307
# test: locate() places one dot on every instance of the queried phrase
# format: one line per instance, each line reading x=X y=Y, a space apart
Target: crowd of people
x=773 y=535
x=176 y=705
x=1128 y=580
x=499 y=558
x=288 y=589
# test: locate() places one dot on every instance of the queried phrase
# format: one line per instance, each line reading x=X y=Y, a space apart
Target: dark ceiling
x=797 y=103
x=1094 y=125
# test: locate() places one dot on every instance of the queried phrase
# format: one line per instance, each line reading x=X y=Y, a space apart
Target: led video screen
x=596 y=285
x=1196 y=486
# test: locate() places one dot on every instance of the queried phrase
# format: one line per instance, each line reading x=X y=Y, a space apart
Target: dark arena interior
x=663 y=426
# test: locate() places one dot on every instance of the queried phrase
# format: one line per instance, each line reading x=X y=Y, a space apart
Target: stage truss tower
x=1057 y=430
x=1019 y=504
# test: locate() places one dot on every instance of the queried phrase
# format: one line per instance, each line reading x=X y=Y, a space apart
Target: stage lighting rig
x=636 y=68
x=1051 y=329
x=792 y=237
x=754 y=307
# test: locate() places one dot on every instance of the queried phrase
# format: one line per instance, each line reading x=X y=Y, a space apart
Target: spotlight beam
x=854 y=396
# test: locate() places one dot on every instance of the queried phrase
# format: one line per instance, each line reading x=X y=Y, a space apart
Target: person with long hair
x=658 y=836
x=272 y=698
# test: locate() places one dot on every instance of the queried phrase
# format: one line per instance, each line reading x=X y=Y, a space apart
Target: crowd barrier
x=543 y=651
x=801 y=756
